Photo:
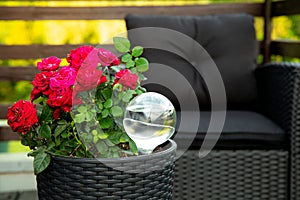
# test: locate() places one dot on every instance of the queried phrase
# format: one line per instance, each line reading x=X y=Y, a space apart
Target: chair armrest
x=278 y=90
x=279 y=96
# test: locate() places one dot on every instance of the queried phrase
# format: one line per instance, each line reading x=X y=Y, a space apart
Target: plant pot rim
x=169 y=149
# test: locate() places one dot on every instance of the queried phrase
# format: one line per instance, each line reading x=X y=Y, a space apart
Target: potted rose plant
x=73 y=125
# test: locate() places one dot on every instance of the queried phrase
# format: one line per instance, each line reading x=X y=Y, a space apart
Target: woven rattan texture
x=280 y=92
x=232 y=175
x=89 y=179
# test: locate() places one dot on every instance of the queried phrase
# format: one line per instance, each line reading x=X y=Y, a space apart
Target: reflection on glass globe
x=149 y=120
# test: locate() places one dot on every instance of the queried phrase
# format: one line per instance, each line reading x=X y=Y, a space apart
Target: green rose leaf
x=116 y=68
x=95 y=139
x=34 y=153
x=121 y=44
x=62 y=121
x=114 y=137
x=133 y=147
x=79 y=118
x=45 y=131
x=106 y=123
x=105 y=113
x=128 y=95
x=41 y=162
x=50 y=145
x=46 y=114
x=100 y=106
x=126 y=57
x=142 y=64
x=82 y=109
x=25 y=142
x=124 y=138
x=129 y=64
x=107 y=93
x=89 y=116
x=64 y=135
x=94 y=132
x=93 y=110
x=57 y=140
x=108 y=103
x=141 y=77
x=59 y=129
x=116 y=111
x=103 y=135
x=39 y=112
x=134 y=71
x=101 y=147
x=137 y=51
x=99 y=96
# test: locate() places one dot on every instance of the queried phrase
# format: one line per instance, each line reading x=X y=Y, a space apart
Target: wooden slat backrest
x=119 y=12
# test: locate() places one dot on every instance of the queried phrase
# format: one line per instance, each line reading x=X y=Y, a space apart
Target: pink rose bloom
x=49 y=64
x=126 y=78
x=64 y=78
x=107 y=58
x=61 y=99
x=77 y=56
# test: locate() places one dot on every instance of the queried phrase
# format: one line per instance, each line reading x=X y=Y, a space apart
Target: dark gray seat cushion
x=242 y=130
x=229 y=39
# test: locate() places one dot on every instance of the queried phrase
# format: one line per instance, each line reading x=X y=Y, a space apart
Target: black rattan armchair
x=258 y=153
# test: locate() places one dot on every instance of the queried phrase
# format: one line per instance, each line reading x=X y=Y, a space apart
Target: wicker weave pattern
x=232 y=175
x=68 y=178
x=281 y=101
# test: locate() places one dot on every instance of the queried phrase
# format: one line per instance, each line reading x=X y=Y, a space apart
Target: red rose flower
x=115 y=62
x=91 y=61
x=88 y=76
x=77 y=56
x=35 y=93
x=41 y=84
x=126 y=78
x=94 y=79
x=56 y=114
x=64 y=78
x=107 y=58
x=22 y=116
x=61 y=98
x=49 y=64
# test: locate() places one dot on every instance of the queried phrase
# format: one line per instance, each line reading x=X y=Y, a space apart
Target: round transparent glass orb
x=149 y=120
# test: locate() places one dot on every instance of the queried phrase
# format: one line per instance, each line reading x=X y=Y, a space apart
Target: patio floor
x=28 y=195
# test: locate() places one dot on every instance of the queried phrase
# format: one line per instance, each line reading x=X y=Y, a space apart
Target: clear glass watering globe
x=149 y=120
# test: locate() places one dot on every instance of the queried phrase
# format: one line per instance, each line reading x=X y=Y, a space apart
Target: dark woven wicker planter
x=142 y=177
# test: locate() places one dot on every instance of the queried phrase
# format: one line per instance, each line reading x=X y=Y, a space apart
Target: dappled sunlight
x=103 y=3
x=282 y=28
x=60 y=32
x=259 y=25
